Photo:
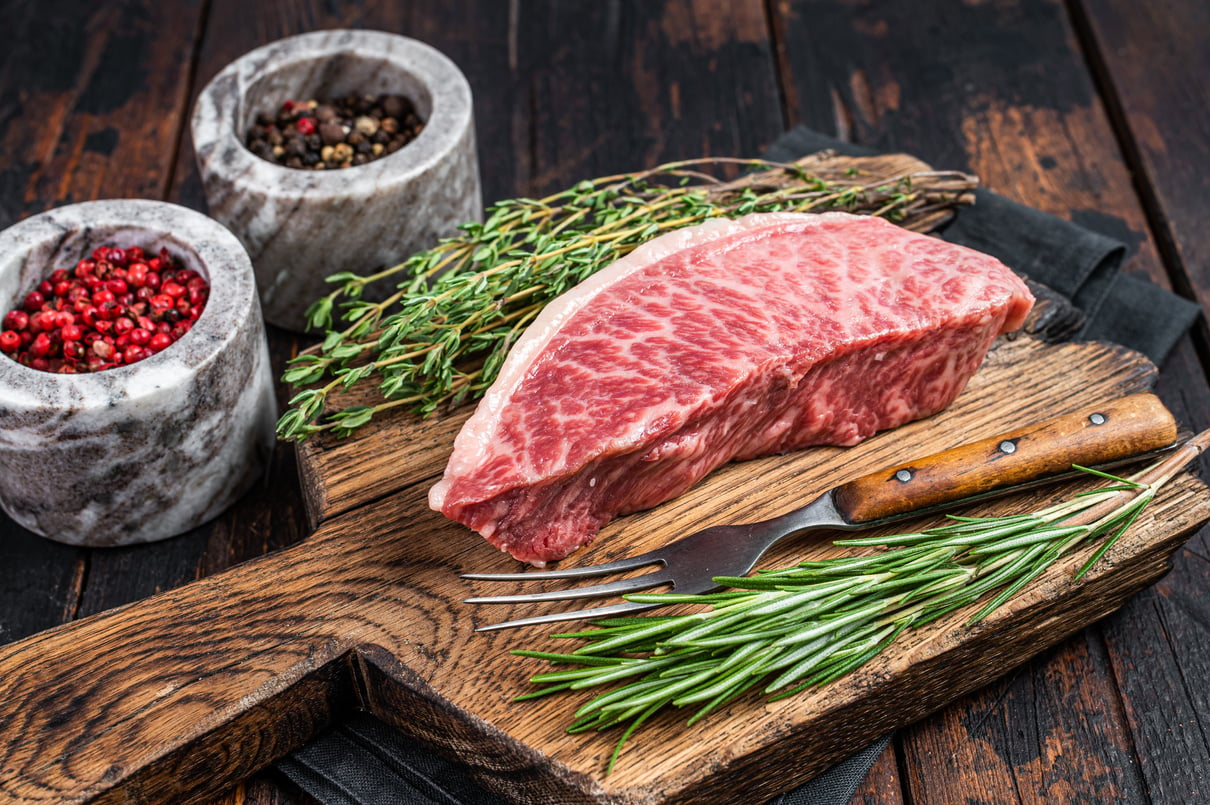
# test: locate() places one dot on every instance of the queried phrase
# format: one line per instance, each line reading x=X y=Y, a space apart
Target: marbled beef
x=728 y=340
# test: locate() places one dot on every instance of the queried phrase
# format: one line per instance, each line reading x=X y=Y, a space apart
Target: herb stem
x=804 y=626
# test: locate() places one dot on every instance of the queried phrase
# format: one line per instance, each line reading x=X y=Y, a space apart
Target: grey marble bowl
x=300 y=226
x=146 y=451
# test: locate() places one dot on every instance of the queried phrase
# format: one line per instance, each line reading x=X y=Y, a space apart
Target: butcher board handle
x=1096 y=435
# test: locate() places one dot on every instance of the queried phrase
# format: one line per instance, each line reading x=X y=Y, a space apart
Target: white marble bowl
x=300 y=226
x=146 y=451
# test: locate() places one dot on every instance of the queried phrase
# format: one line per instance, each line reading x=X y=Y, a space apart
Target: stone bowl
x=300 y=226
x=146 y=451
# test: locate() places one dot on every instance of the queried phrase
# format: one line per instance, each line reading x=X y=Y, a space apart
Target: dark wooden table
x=1095 y=110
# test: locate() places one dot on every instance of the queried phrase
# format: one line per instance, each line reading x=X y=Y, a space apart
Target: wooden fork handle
x=1114 y=430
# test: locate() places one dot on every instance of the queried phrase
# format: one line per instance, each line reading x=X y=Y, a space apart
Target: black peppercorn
x=331 y=133
x=394 y=105
x=337 y=133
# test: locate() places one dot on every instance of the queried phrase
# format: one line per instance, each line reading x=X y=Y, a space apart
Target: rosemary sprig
x=442 y=335
x=805 y=626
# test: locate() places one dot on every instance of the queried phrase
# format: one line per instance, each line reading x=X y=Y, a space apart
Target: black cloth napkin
x=364 y=762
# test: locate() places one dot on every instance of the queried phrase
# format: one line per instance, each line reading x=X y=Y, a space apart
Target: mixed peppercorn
x=114 y=308
x=341 y=133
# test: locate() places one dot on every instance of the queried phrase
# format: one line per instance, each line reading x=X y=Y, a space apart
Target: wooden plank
x=40 y=581
x=1156 y=647
x=1153 y=62
x=261 y=789
x=999 y=89
x=1002 y=89
x=882 y=785
x=108 y=89
x=1006 y=756
x=90 y=107
x=1163 y=680
x=93 y=100
x=564 y=90
x=618 y=87
x=203 y=684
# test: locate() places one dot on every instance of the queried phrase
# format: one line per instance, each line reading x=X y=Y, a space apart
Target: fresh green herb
x=442 y=335
x=808 y=625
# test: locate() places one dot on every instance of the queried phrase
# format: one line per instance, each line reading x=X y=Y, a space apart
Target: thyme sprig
x=788 y=630
x=441 y=336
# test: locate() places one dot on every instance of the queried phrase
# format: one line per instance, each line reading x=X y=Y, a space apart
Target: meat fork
x=1104 y=435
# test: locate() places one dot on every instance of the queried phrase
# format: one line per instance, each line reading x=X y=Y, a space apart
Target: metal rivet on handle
x=1008 y=447
x=903 y=476
x=1097 y=419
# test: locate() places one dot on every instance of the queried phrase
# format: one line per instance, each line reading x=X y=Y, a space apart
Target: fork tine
x=555 y=617
x=587 y=571
x=620 y=587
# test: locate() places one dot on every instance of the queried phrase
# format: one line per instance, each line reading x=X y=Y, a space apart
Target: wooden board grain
x=1150 y=61
x=68 y=75
x=1153 y=61
x=186 y=693
x=1005 y=90
x=92 y=103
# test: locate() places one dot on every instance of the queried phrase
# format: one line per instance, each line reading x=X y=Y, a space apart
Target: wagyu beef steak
x=728 y=340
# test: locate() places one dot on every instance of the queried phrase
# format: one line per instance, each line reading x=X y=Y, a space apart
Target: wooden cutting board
x=182 y=695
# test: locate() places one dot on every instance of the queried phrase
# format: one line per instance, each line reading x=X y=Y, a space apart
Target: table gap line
x=189 y=92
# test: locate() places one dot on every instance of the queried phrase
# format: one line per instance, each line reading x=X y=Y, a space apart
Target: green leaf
x=319 y=314
x=810 y=624
x=331 y=341
x=289 y=424
x=353 y=417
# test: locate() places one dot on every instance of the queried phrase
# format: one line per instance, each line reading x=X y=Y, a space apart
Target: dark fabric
x=363 y=762
x=837 y=785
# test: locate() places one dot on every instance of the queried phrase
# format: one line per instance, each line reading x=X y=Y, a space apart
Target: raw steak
x=728 y=340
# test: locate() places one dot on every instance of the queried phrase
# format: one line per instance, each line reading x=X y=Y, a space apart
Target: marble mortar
x=300 y=226
x=146 y=451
